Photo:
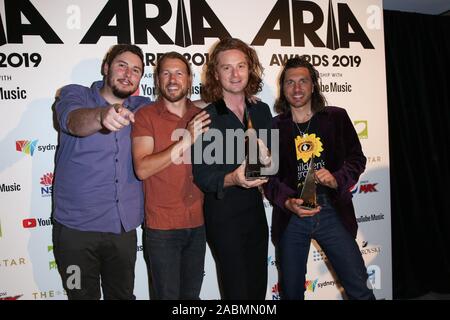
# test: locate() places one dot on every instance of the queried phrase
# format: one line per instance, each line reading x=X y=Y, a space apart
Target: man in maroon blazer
x=312 y=134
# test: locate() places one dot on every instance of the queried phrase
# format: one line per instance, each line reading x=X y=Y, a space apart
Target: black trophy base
x=308 y=205
x=253 y=171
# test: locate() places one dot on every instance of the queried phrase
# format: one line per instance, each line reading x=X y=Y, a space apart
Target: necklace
x=302 y=133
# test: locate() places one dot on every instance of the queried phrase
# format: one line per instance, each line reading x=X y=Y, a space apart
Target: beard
x=121 y=94
x=165 y=94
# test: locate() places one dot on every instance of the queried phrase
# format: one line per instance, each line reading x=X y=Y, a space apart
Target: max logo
x=364 y=187
x=276 y=26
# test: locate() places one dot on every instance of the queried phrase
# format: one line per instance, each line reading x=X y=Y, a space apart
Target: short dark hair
x=318 y=100
x=212 y=89
x=171 y=55
x=117 y=49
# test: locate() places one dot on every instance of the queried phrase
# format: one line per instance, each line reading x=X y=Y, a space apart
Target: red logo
x=12 y=298
x=47 y=179
x=29 y=223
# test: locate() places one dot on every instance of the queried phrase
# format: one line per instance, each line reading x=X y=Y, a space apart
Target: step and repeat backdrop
x=46 y=44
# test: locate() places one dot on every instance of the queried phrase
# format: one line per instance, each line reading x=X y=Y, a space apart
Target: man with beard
x=174 y=236
x=322 y=139
x=98 y=201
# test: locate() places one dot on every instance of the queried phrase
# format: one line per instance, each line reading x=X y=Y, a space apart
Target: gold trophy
x=307 y=189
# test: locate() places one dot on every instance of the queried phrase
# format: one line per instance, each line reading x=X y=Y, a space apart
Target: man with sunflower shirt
x=312 y=134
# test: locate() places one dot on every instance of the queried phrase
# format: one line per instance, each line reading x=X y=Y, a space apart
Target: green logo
x=362 y=128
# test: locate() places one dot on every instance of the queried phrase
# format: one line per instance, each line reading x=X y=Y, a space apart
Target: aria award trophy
x=307 y=189
x=253 y=163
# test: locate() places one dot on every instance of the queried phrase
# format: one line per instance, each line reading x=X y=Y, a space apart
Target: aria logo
x=364 y=187
x=305 y=19
x=26 y=146
x=47 y=182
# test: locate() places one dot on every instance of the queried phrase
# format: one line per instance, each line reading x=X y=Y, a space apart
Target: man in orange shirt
x=174 y=236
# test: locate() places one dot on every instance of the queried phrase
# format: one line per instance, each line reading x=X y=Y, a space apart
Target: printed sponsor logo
x=26 y=146
x=368 y=250
x=3 y=296
x=374 y=277
x=10 y=187
x=12 y=262
x=319 y=255
x=30 y=146
x=368 y=218
x=276 y=292
x=362 y=128
x=13 y=94
x=36 y=222
x=310 y=285
x=52 y=263
x=292 y=23
x=47 y=182
x=49 y=294
x=29 y=223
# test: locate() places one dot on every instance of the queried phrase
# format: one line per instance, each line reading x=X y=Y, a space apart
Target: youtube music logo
x=29 y=223
x=36 y=222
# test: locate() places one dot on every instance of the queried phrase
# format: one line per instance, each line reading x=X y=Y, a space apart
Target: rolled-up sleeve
x=71 y=97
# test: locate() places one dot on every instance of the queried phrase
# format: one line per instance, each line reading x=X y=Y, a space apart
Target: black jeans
x=85 y=257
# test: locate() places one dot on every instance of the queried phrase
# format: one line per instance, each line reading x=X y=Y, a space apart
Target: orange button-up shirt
x=172 y=200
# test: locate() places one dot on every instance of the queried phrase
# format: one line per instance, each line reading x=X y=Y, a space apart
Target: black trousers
x=87 y=259
x=237 y=234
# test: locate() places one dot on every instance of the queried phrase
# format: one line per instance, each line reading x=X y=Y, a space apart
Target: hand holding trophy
x=257 y=155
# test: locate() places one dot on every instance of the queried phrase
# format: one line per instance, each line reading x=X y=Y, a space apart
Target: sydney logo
x=26 y=146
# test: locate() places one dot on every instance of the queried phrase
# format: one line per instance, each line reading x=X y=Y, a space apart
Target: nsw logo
x=47 y=184
x=276 y=292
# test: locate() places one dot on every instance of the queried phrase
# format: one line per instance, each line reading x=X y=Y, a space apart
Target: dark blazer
x=343 y=158
x=209 y=177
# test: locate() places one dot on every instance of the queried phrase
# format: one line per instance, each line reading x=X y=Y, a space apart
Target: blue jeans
x=177 y=259
x=337 y=243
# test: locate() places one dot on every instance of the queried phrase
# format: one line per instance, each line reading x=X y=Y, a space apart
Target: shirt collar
x=96 y=87
x=162 y=109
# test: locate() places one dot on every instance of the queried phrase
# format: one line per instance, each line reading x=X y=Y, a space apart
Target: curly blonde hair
x=212 y=89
